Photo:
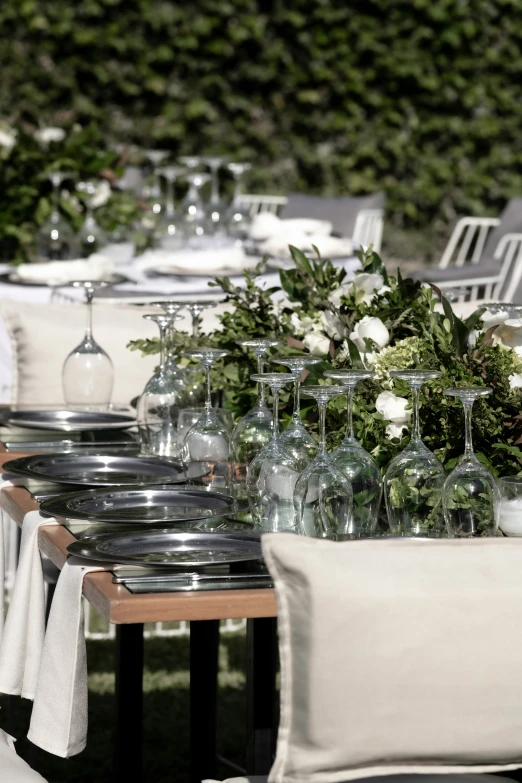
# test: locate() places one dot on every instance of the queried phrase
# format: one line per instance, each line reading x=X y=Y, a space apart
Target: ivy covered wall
x=420 y=97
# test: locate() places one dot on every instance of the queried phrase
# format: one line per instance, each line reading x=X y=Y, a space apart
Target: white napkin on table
x=186 y=262
x=96 y=267
x=328 y=246
x=24 y=629
x=8 y=553
x=59 y=717
x=266 y=224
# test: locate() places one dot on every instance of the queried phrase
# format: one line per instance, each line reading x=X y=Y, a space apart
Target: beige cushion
x=42 y=335
x=13 y=769
x=397 y=656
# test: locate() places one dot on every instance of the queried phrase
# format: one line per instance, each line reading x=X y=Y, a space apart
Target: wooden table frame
x=130 y=611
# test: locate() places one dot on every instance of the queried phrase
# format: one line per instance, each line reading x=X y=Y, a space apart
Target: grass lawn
x=166 y=711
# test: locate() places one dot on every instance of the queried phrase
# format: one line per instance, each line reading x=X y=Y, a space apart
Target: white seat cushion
x=13 y=769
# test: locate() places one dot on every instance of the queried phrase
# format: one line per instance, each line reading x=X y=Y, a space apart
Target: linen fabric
x=13 y=769
x=43 y=335
x=397 y=656
x=59 y=717
x=23 y=635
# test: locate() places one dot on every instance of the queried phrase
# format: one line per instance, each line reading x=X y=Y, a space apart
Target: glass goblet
x=323 y=496
x=90 y=236
x=510 y=514
x=55 y=239
x=169 y=231
x=238 y=218
x=216 y=208
x=254 y=430
x=153 y=192
x=196 y=309
x=272 y=474
x=88 y=373
x=471 y=496
x=161 y=401
x=415 y=477
x=196 y=223
x=296 y=438
x=207 y=442
x=355 y=462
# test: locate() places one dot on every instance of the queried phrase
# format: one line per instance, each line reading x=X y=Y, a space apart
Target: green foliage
x=422 y=99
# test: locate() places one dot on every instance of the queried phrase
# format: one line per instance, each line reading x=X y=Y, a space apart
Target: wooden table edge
x=119 y=605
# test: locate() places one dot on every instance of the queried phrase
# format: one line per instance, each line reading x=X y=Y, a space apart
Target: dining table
x=129 y=611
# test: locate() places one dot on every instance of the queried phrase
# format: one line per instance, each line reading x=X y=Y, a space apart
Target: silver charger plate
x=152 y=504
x=103 y=470
x=69 y=421
x=168 y=548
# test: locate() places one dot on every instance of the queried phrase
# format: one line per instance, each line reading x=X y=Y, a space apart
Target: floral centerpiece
x=387 y=323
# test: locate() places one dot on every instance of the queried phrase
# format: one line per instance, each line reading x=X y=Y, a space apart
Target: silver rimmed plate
x=168 y=548
x=103 y=470
x=152 y=504
x=70 y=421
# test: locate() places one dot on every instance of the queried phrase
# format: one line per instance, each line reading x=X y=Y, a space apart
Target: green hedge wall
x=420 y=97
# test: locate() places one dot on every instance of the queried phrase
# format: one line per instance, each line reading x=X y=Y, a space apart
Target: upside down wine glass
x=415 y=477
x=272 y=474
x=471 y=497
x=296 y=438
x=254 y=430
x=169 y=228
x=90 y=236
x=237 y=217
x=196 y=223
x=88 y=373
x=355 y=462
x=207 y=441
x=160 y=403
x=55 y=240
x=323 y=497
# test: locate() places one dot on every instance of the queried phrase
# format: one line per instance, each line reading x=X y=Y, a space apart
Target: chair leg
x=262 y=661
x=128 y=744
x=204 y=648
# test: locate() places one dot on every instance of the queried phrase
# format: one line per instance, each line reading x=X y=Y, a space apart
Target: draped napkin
x=96 y=267
x=7 y=546
x=59 y=717
x=210 y=261
x=24 y=629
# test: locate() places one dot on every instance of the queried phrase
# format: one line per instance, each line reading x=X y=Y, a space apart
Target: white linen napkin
x=328 y=246
x=59 y=717
x=96 y=267
x=24 y=629
x=266 y=224
x=186 y=262
x=7 y=548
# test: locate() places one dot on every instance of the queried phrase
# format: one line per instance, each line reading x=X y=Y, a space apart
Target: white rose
x=395 y=430
x=473 y=337
x=509 y=334
x=393 y=408
x=46 y=135
x=493 y=319
x=332 y=325
x=317 y=343
x=101 y=195
x=301 y=325
x=515 y=381
x=369 y=284
x=7 y=138
x=370 y=328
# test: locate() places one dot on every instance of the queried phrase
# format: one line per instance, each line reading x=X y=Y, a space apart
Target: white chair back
x=368 y=228
x=467 y=241
x=255 y=203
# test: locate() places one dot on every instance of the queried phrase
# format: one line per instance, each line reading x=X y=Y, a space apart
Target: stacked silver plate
x=166 y=547
x=101 y=470
x=149 y=504
x=69 y=421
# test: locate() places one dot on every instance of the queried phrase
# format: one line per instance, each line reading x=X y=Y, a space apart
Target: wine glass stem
x=297 y=401
x=275 y=412
x=468 y=448
x=170 y=209
x=208 y=400
x=214 y=198
x=56 y=196
x=237 y=187
x=261 y=394
x=162 y=331
x=195 y=324
x=321 y=404
x=349 y=412
x=89 y=294
x=415 y=424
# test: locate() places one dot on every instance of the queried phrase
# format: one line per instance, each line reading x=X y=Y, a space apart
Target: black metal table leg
x=262 y=661
x=204 y=648
x=128 y=741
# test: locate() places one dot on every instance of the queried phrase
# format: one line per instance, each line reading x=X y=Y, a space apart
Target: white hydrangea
x=368 y=285
x=47 y=135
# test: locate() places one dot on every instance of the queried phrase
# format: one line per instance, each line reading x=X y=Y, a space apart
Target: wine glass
x=238 y=218
x=169 y=231
x=196 y=309
x=216 y=207
x=254 y=430
x=162 y=398
x=90 y=236
x=207 y=442
x=296 y=438
x=88 y=373
x=55 y=239
x=323 y=497
x=190 y=161
x=193 y=212
x=415 y=477
x=355 y=462
x=272 y=474
x=153 y=192
x=471 y=496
